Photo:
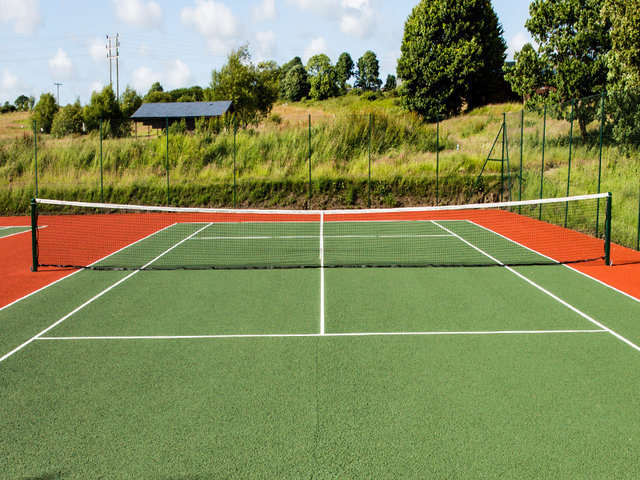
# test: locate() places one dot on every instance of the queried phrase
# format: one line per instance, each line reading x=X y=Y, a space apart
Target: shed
x=157 y=114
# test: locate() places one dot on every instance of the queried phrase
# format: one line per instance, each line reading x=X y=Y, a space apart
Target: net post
x=34 y=235
x=607 y=232
x=35 y=151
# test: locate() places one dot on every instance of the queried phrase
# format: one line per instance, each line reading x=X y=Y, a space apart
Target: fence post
x=35 y=146
x=101 y=184
x=309 y=193
x=521 y=149
x=566 y=210
x=369 y=184
x=437 y=158
x=504 y=141
x=600 y=161
x=235 y=132
x=544 y=136
x=167 y=161
x=638 y=235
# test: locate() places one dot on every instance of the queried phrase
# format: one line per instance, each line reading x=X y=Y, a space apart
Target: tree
x=623 y=62
x=130 y=101
x=322 y=77
x=295 y=85
x=252 y=90
x=22 y=103
x=529 y=74
x=282 y=75
x=368 y=72
x=104 y=106
x=7 y=108
x=344 y=70
x=44 y=111
x=573 y=38
x=391 y=83
x=68 y=120
x=452 y=53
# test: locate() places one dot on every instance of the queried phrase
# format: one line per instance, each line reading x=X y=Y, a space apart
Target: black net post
x=607 y=232
x=35 y=151
x=34 y=235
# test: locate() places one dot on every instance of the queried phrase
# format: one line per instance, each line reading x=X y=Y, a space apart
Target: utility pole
x=113 y=51
x=58 y=93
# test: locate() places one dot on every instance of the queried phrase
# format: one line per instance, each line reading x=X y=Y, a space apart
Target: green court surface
x=10 y=230
x=477 y=372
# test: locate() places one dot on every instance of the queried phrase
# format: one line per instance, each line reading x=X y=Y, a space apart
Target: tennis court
x=11 y=230
x=243 y=347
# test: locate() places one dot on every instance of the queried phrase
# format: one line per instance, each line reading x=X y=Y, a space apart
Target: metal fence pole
x=437 y=158
x=638 y=235
x=521 y=149
x=35 y=151
x=600 y=161
x=369 y=184
x=235 y=132
x=167 y=162
x=566 y=209
x=101 y=180
x=504 y=140
x=309 y=193
x=544 y=134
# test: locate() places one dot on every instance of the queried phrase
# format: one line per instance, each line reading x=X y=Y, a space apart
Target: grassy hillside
x=272 y=161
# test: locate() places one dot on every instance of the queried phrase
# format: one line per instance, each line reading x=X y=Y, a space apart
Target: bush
x=68 y=120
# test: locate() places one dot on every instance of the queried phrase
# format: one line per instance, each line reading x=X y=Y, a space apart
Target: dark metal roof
x=182 y=110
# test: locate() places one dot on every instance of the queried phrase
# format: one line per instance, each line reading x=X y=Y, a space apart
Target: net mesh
x=121 y=237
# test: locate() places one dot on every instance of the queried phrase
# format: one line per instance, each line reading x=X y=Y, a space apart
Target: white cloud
x=138 y=13
x=61 y=66
x=325 y=7
x=358 y=18
x=144 y=50
x=23 y=15
x=9 y=82
x=518 y=41
x=177 y=74
x=97 y=50
x=214 y=21
x=265 y=11
x=266 y=43
x=143 y=78
x=316 y=46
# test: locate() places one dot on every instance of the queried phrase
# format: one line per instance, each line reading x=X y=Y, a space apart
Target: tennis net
x=130 y=237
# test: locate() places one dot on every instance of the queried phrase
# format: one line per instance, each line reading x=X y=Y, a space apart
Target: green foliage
x=322 y=77
x=22 y=103
x=44 y=111
x=284 y=69
x=252 y=90
x=7 y=108
x=623 y=62
x=574 y=41
x=104 y=106
x=295 y=84
x=344 y=70
x=68 y=120
x=529 y=74
x=177 y=128
x=452 y=53
x=130 y=101
x=368 y=72
x=391 y=83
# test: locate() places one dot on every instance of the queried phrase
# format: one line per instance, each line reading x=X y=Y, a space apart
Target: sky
x=179 y=42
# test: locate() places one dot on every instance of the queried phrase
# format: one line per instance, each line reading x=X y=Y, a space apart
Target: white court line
x=18 y=233
x=321 y=274
x=555 y=297
x=564 y=265
x=297 y=237
x=35 y=337
x=346 y=334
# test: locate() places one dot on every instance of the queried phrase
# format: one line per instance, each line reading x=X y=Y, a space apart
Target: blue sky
x=179 y=42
